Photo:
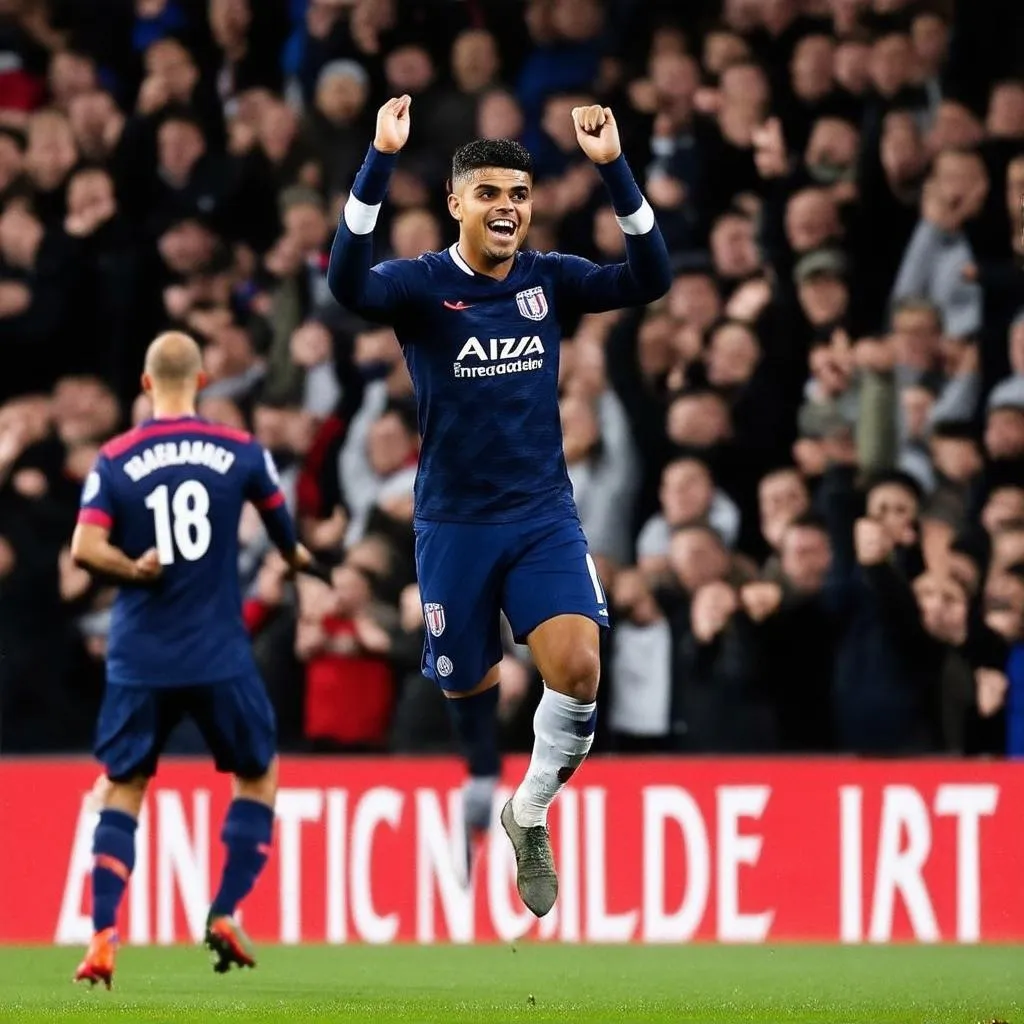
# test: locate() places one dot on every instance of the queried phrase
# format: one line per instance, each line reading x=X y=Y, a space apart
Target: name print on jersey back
x=179 y=453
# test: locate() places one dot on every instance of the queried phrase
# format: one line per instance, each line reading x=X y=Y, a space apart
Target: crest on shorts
x=532 y=303
x=444 y=666
x=433 y=616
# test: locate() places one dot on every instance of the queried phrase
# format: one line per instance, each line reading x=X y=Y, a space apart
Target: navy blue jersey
x=179 y=485
x=483 y=356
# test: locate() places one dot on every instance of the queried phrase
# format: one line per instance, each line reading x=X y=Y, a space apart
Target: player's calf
x=113 y=850
x=567 y=654
x=475 y=723
x=563 y=728
x=247 y=835
x=563 y=734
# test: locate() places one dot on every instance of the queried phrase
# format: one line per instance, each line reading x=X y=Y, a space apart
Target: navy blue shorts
x=235 y=717
x=470 y=572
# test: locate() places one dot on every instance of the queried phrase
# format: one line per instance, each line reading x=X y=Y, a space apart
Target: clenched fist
x=147 y=566
x=713 y=605
x=872 y=541
x=393 y=125
x=990 y=689
x=597 y=133
x=761 y=599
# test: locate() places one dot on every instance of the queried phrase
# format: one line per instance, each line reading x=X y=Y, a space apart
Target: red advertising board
x=651 y=850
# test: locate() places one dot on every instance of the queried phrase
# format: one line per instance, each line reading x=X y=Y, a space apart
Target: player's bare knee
x=126 y=795
x=577 y=674
x=263 y=789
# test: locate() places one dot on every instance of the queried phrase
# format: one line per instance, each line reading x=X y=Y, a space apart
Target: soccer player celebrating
x=159 y=514
x=496 y=525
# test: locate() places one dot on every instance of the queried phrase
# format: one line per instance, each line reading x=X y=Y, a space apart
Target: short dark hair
x=181 y=114
x=809 y=521
x=703 y=528
x=955 y=430
x=896 y=478
x=789 y=468
x=505 y=153
x=90 y=167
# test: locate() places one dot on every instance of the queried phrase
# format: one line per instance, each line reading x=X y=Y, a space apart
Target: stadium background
x=829 y=401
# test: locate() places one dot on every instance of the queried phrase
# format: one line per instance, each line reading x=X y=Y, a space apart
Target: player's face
x=493 y=207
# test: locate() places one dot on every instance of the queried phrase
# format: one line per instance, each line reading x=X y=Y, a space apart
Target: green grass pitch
x=541 y=984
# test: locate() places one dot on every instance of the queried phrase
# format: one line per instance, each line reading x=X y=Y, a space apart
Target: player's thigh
x=238 y=723
x=133 y=726
x=552 y=574
x=459 y=569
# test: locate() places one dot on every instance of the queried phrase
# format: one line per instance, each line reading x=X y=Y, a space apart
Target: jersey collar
x=453 y=251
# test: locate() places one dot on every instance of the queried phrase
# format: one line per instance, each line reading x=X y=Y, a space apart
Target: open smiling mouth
x=503 y=227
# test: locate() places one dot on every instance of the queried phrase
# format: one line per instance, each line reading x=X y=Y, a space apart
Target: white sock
x=558 y=750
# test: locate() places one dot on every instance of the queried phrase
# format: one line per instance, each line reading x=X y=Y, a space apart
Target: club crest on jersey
x=532 y=303
x=433 y=615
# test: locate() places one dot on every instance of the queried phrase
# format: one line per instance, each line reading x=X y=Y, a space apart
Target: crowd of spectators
x=801 y=473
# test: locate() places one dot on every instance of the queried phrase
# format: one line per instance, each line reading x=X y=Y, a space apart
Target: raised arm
x=372 y=292
x=647 y=273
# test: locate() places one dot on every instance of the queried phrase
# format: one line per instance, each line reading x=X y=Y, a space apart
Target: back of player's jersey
x=179 y=486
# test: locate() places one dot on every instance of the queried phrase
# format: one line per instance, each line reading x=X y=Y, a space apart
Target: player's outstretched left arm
x=370 y=291
x=647 y=273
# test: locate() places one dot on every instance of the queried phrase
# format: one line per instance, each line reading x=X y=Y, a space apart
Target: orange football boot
x=229 y=944
x=98 y=965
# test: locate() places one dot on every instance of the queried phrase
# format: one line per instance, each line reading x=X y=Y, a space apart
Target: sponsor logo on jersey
x=179 y=453
x=496 y=357
x=433 y=615
x=532 y=303
x=444 y=666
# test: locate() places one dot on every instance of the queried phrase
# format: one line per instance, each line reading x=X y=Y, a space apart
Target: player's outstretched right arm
x=370 y=291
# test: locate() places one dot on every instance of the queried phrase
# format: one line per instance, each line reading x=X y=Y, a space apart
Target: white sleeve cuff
x=361 y=218
x=638 y=223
